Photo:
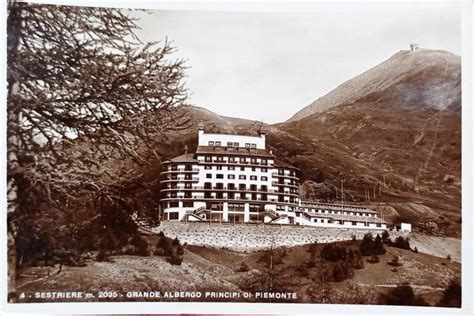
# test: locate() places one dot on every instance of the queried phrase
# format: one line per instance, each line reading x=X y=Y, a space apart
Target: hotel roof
x=182 y=158
x=338 y=207
x=367 y=219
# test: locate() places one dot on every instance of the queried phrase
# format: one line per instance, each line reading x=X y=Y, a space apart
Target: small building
x=405 y=227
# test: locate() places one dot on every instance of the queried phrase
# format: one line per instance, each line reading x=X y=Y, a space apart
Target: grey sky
x=268 y=65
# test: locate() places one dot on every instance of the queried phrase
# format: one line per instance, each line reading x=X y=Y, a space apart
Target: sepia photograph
x=292 y=154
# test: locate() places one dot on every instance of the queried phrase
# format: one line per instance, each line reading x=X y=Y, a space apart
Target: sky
x=269 y=63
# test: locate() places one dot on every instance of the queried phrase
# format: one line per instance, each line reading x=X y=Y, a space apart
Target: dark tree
x=87 y=103
x=402 y=243
x=451 y=295
x=403 y=295
x=379 y=249
x=367 y=245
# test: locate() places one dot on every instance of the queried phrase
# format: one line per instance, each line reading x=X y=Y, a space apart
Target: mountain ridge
x=388 y=73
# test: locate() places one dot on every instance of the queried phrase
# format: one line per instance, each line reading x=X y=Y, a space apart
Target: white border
x=252 y=308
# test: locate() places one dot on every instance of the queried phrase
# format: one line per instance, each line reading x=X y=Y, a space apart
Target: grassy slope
x=212 y=269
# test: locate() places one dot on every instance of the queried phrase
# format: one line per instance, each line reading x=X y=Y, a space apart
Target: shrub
x=451 y=295
x=374 y=259
x=448 y=257
x=163 y=244
x=342 y=271
x=175 y=259
x=332 y=252
x=395 y=262
x=402 y=243
x=242 y=267
x=366 y=247
x=379 y=249
x=141 y=245
x=415 y=250
x=386 y=237
x=102 y=256
x=403 y=295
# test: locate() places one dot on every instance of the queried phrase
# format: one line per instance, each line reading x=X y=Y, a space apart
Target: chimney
x=200 y=130
x=263 y=136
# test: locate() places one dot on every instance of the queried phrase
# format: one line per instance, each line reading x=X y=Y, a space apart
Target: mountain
x=423 y=78
x=392 y=134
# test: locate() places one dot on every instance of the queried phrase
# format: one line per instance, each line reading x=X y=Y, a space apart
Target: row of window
x=207 y=167
x=231 y=144
x=232 y=176
x=241 y=160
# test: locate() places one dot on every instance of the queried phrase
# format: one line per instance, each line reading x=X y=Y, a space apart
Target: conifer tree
x=84 y=95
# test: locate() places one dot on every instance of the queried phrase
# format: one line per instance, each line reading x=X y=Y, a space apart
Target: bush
x=395 y=262
x=366 y=247
x=448 y=257
x=451 y=295
x=102 y=256
x=370 y=246
x=374 y=259
x=242 y=267
x=402 y=243
x=379 y=249
x=403 y=295
x=141 y=245
x=332 y=252
x=415 y=250
x=342 y=271
x=386 y=237
x=175 y=259
x=165 y=246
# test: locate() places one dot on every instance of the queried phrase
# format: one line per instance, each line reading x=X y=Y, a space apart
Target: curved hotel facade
x=234 y=178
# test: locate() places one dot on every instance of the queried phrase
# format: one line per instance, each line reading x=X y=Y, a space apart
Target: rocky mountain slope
x=427 y=78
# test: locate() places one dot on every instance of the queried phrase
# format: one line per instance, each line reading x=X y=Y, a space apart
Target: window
x=188 y=204
x=230 y=176
x=230 y=144
x=207 y=167
x=208 y=158
x=242 y=177
x=253 y=161
x=173 y=215
x=264 y=169
x=220 y=159
x=208 y=175
x=254 y=146
x=218 y=143
x=243 y=160
x=219 y=176
x=236 y=144
x=253 y=177
x=219 y=167
x=187 y=185
x=211 y=143
x=231 y=168
x=253 y=169
x=242 y=168
x=264 y=178
x=264 y=161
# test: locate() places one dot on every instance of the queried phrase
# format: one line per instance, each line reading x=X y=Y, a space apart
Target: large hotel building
x=234 y=178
